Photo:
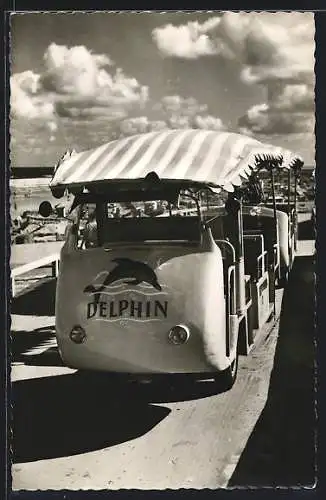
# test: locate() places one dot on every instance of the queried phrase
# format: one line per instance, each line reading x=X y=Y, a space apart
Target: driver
x=90 y=231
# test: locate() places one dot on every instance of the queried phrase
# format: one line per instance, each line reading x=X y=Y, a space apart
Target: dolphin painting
x=136 y=271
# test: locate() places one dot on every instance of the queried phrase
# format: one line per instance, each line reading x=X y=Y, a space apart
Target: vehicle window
x=136 y=209
x=213 y=200
x=141 y=221
x=148 y=221
x=157 y=208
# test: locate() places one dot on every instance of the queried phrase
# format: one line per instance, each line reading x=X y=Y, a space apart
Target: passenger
x=117 y=213
x=90 y=231
x=132 y=212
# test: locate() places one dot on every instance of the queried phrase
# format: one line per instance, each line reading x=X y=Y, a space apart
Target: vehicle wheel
x=282 y=282
x=227 y=378
x=232 y=372
x=271 y=317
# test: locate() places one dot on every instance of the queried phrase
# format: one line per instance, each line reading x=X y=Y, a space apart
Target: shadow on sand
x=61 y=416
x=280 y=451
x=71 y=414
x=65 y=415
x=24 y=341
x=306 y=230
x=37 y=302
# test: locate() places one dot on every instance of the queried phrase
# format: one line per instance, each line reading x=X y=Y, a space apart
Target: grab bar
x=229 y=245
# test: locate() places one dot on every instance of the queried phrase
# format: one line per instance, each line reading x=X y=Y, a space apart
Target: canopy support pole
x=234 y=209
x=275 y=229
x=290 y=218
x=101 y=214
x=295 y=222
x=240 y=266
x=289 y=192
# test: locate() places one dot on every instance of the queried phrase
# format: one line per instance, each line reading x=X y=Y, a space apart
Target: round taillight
x=179 y=334
x=78 y=334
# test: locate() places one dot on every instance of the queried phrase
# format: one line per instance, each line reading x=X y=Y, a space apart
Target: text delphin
x=127 y=309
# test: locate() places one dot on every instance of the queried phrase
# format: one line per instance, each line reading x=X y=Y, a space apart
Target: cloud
x=181 y=112
x=52 y=110
x=140 y=125
x=75 y=83
x=186 y=41
x=27 y=99
x=263 y=119
x=188 y=106
x=270 y=46
x=295 y=98
x=208 y=122
x=274 y=50
x=72 y=70
x=136 y=125
x=266 y=45
x=289 y=110
x=174 y=112
x=176 y=121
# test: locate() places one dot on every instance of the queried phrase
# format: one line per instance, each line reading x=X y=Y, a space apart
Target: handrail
x=230 y=311
x=25 y=268
x=231 y=270
x=261 y=258
x=44 y=261
x=231 y=247
x=276 y=254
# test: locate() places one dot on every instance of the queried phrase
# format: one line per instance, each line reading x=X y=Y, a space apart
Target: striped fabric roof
x=217 y=158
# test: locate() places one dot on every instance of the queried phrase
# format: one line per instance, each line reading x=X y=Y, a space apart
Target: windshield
x=140 y=221
x=101 y=222
x=151 y=221
x=155 y=208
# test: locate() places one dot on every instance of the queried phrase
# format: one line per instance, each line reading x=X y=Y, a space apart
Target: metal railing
x=261 y=264
x=230 y=246
x=231 y=291
x=52 y=260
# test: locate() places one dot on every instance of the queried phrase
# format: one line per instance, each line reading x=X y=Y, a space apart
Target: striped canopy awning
x=220 y=159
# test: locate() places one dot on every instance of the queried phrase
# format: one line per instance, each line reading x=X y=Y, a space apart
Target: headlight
x=78 y=334
x=179 y=334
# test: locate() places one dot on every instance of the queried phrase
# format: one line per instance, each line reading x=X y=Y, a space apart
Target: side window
x=213 y=200
x=186 y=206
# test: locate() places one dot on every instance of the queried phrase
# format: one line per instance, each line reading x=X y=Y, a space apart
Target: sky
x=80 y=80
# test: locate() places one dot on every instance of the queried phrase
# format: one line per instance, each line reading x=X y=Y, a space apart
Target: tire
x=271 y=317
x=283 y=281
x=232 y=372
x=227 y=378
